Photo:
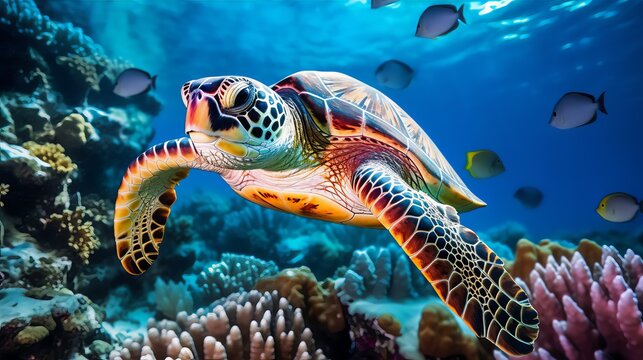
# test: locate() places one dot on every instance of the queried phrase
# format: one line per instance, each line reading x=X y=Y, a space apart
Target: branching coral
x=53 y=154
x=234 y=273
x=318 y=301
x=587 y=314
x=243 y=326
x=72 y=227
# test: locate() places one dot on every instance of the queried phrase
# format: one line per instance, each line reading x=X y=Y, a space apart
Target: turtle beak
x=205 y=122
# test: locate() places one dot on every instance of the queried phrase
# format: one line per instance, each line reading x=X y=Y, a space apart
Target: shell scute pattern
x=339 y=99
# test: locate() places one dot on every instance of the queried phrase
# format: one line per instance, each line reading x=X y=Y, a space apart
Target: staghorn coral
x=248 y=325
x=588 y=313
x=529 y=254
x=234 y=273
x=4 y=190
x=52 y=154
x=317 y=300
x=73 y=131
x=71 y=226
x=441 y=336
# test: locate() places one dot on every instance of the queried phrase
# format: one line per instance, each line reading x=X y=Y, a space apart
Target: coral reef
x=441 y=336
x=318 y=301
x=379 y=273
x=172 y=298
x=73 y=131
x=28 y=267
x=529 y=254
x=71 y=226
x=585 y=312
x=234 y=273
x=40 y=324
x=4 y=190
x=249 y=325
x=52 y=154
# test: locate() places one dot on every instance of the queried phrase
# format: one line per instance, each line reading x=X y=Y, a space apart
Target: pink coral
x=588 y=314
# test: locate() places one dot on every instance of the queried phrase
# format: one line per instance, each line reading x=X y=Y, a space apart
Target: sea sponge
x=318 y=301
x=440 y=335
x=31 y=335
x=53 y=154
x=529 y=254
x=390 y=324
x=73 y=131
x=71 y=226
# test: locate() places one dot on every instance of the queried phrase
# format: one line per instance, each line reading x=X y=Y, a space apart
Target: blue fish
x=134 y=82
x=438 y=20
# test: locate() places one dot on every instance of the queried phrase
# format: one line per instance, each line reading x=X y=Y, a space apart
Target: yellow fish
x=619 y=207
x=483 y=164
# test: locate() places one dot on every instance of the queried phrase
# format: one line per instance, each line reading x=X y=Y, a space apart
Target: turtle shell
x=343 y=106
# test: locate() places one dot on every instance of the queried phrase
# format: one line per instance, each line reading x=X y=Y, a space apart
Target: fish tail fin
x=153 y=84
x=470 y=156
x=601 y=103
x=461 y=14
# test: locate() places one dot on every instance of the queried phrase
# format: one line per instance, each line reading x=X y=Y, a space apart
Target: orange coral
x=441 y=336
x=528 y=254
x=318 y=301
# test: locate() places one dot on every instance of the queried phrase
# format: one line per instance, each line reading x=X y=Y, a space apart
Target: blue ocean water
x=491 y=84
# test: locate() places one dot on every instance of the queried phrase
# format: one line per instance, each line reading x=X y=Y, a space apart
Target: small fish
x=438 y=20
x=484 y=164
x=380 y=3
x=576 y=109
x=394 y=74
x=619 y=207
x=133 y=82
x=529 y=196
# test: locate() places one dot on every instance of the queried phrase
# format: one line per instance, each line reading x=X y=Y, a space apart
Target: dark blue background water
x=490 y=84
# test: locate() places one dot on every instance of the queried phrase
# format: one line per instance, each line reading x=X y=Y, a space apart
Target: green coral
x=53 y=154
x=79 y=232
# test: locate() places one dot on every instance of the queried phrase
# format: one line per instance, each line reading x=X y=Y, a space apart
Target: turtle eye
x=239 y=97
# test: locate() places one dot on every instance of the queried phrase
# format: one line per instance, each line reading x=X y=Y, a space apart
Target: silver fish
x=576 y=109
x=438 y=20
x=380 y=3
x=134 y=82
x=529 y=196
x=483 y=164
x=619 y=207
x=394 y=74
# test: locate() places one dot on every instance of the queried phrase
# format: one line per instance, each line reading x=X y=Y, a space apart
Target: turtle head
x=238 y=116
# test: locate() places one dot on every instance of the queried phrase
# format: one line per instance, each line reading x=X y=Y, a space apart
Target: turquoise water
x=490 y=84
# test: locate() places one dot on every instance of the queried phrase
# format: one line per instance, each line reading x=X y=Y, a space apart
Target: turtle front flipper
x=467 y=275
x=144 y=199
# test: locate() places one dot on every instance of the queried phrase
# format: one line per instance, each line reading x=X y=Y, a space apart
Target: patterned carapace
x=326 y=146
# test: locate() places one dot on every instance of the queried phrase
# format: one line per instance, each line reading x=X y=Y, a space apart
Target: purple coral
x=587 y=314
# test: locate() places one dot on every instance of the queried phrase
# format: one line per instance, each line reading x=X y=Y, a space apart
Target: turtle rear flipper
x=144 y=199
x=467 y=275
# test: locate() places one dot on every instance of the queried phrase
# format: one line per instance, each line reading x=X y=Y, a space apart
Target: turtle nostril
x=199 y=96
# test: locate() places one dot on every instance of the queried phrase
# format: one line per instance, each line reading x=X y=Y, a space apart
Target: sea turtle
x=327 y=146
